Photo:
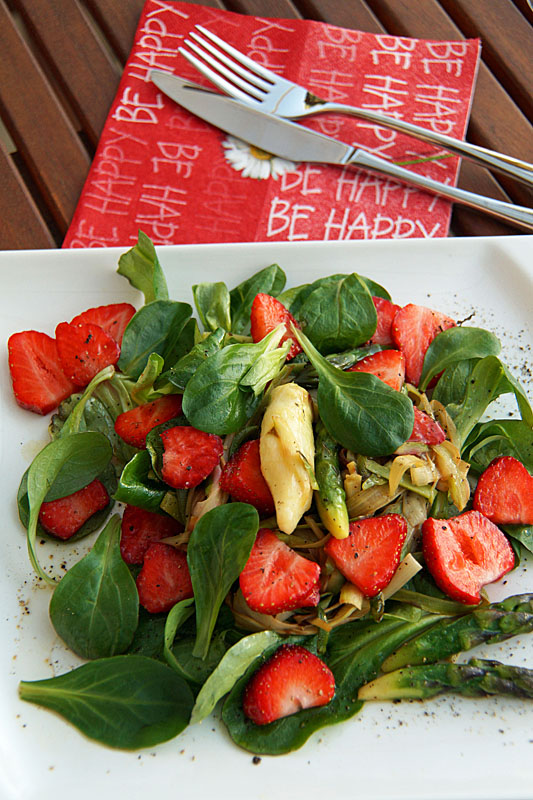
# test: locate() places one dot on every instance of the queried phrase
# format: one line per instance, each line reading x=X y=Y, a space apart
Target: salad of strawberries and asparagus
x=309 y=496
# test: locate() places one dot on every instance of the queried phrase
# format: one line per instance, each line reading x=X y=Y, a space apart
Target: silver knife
x=297 y=143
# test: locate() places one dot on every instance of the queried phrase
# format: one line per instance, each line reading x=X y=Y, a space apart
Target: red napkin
x=164 y=171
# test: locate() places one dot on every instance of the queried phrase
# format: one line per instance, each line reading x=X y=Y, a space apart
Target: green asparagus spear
x=492 y=623
x=477 y=678
x=330 y=498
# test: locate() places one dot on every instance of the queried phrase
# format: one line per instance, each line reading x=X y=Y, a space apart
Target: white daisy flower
x=254 y=162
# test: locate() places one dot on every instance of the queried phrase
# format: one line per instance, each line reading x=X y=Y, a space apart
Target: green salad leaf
x=128 y=702
x=95 y=607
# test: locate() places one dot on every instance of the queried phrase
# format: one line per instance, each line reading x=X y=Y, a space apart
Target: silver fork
x=240 y=77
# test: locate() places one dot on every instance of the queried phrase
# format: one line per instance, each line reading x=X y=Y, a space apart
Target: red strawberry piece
x=291 y=680
x=39 y=383
x=387 y=365
x=504 y=492
x=84 y=349
x=64 y=517
x=164 y=578
x=370 y=555
x=413 y=330
x=426 y=429
x=112 y=318
x=142 y=528
x=189 y=456
x=267 y=313
x=386 y=312
x=465 y=553
x=243 y=480
x=134 y=425
x=275 y=578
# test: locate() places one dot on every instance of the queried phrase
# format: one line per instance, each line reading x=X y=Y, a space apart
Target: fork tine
x=224 y=85
x=227 y=73
x=267 y=74
x=234 y=66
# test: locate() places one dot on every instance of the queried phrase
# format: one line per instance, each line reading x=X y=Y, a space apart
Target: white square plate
x=446 y=748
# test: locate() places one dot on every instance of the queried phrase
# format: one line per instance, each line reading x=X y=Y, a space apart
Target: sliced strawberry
x=64 y=517
x=426 y=429
x=387 y=365
x=142 y=528
x=243 y=480
x=370 y=555
x=39 y=383
x=134 y=425
x=112 y=318
x=386 y=312
x=465 y=553
x=504 y=492
x=292 y=679
x=189 y=456
x=84 y=349
x=276 y=578
x=413 y=330
x=164 y=578
x=267 y=313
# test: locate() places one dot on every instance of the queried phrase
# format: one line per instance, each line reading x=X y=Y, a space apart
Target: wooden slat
x=80 y=64
x=496 y=121
x=344 y=13
x=507 y=42
x=118 y=20
x=18 y=212
x=38 y=125
x=264 y=8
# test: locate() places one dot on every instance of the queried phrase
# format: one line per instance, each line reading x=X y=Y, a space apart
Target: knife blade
x=266 y=131
x=295 y=142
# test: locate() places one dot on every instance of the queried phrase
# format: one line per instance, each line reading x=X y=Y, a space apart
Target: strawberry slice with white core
x=386 y=311
x=504 y=492
x=413 y=330
x=84 y=350
x=291 y=680
x=164 y=579
x=189 y=455
x=276 y=578
x=465 y=553
x=370 y=555
x=387 y=365
x=134 y=425
x=39 y=382
x=266 y=314
x=112 y=318
x=426 y=429
x=65 y=516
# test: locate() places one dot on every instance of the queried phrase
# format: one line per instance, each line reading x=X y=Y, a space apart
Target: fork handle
x=516 y=215
x=508 y=165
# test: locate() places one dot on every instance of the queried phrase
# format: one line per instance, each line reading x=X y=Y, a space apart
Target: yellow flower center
x=262 y=155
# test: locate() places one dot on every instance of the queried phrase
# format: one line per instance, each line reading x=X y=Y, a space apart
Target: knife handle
x=516 y=215
x=508 y=165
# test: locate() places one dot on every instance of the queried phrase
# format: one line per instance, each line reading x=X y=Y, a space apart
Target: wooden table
x=60 y=63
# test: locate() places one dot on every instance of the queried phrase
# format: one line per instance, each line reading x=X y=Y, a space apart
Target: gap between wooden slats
x=507 y=42
x=525 y=9
x=79 y=62
x=118 y=20
x=39 y=126
x=19 y=212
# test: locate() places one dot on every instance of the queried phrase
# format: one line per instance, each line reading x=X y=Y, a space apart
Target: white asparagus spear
x=286 y=444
